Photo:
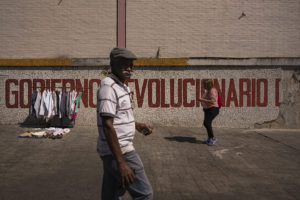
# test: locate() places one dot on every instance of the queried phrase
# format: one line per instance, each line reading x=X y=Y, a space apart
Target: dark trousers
x=209 y=115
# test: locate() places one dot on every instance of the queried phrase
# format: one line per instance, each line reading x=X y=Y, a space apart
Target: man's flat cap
x=119 y=52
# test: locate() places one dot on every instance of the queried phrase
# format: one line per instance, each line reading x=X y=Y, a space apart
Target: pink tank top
x=212 y=94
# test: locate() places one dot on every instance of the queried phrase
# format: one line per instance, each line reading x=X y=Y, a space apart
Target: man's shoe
x=214 y=139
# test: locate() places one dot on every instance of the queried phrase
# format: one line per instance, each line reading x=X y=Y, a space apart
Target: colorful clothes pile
x=52 y=132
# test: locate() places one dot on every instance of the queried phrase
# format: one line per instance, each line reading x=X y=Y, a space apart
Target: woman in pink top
x=210 y=108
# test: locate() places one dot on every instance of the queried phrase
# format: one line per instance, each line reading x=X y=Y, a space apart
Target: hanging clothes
x=67 y=105
x=32 y=102
x=59 y=105
x=42 y=105
x=57 y=102
x=47 y=103
x=37 y=104
x=50 y=106
x=76 y=105
x=72 y=103
x=53 y=103
x=63 y=104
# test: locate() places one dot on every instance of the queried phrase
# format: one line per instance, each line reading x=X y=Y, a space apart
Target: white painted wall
x=232 y=116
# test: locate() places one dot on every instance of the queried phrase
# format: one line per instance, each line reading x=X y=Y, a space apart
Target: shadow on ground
x=184 y=139
x=34 y=122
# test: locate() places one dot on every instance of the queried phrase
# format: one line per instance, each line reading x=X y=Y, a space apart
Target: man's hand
x=126 y=173
x=144 y=128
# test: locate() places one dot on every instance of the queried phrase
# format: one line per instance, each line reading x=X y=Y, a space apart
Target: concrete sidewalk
x=243 y=164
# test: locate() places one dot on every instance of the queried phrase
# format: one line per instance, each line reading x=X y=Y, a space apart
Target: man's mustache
x=127 y=72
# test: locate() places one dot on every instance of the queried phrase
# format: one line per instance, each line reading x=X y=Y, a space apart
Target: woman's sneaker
x=211 y=141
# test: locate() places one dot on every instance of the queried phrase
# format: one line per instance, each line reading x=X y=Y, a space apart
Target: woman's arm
x=213 y=95
x=211 y=101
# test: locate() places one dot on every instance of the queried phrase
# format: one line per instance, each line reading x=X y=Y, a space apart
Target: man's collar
x=115 y=78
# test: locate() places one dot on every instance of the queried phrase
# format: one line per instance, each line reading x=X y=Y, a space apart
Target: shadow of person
x=184 y=139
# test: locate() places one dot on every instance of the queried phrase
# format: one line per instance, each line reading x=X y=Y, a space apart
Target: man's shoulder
x=106 y=85
x=107 y=81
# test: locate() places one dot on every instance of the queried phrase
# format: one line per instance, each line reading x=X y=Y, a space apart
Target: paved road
x=244 y=164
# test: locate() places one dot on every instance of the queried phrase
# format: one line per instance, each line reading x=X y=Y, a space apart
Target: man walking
x=123 y=168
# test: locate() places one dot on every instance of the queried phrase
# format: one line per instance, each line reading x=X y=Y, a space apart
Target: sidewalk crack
x=274 y=140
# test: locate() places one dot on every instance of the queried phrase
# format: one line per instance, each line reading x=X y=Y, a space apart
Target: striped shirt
x=113 y=99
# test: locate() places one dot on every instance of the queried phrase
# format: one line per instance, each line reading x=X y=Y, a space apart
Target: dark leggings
x=209 y=115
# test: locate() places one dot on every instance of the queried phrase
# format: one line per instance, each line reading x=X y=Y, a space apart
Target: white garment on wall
x=49 y=105
x=42 y=104
x=54 y=109
x=59 y=103
x=37 y=104
x=46 y=104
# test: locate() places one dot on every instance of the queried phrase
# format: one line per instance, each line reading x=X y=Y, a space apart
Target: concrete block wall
x=57 y=28
x=190 y=28
x=201 y=28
